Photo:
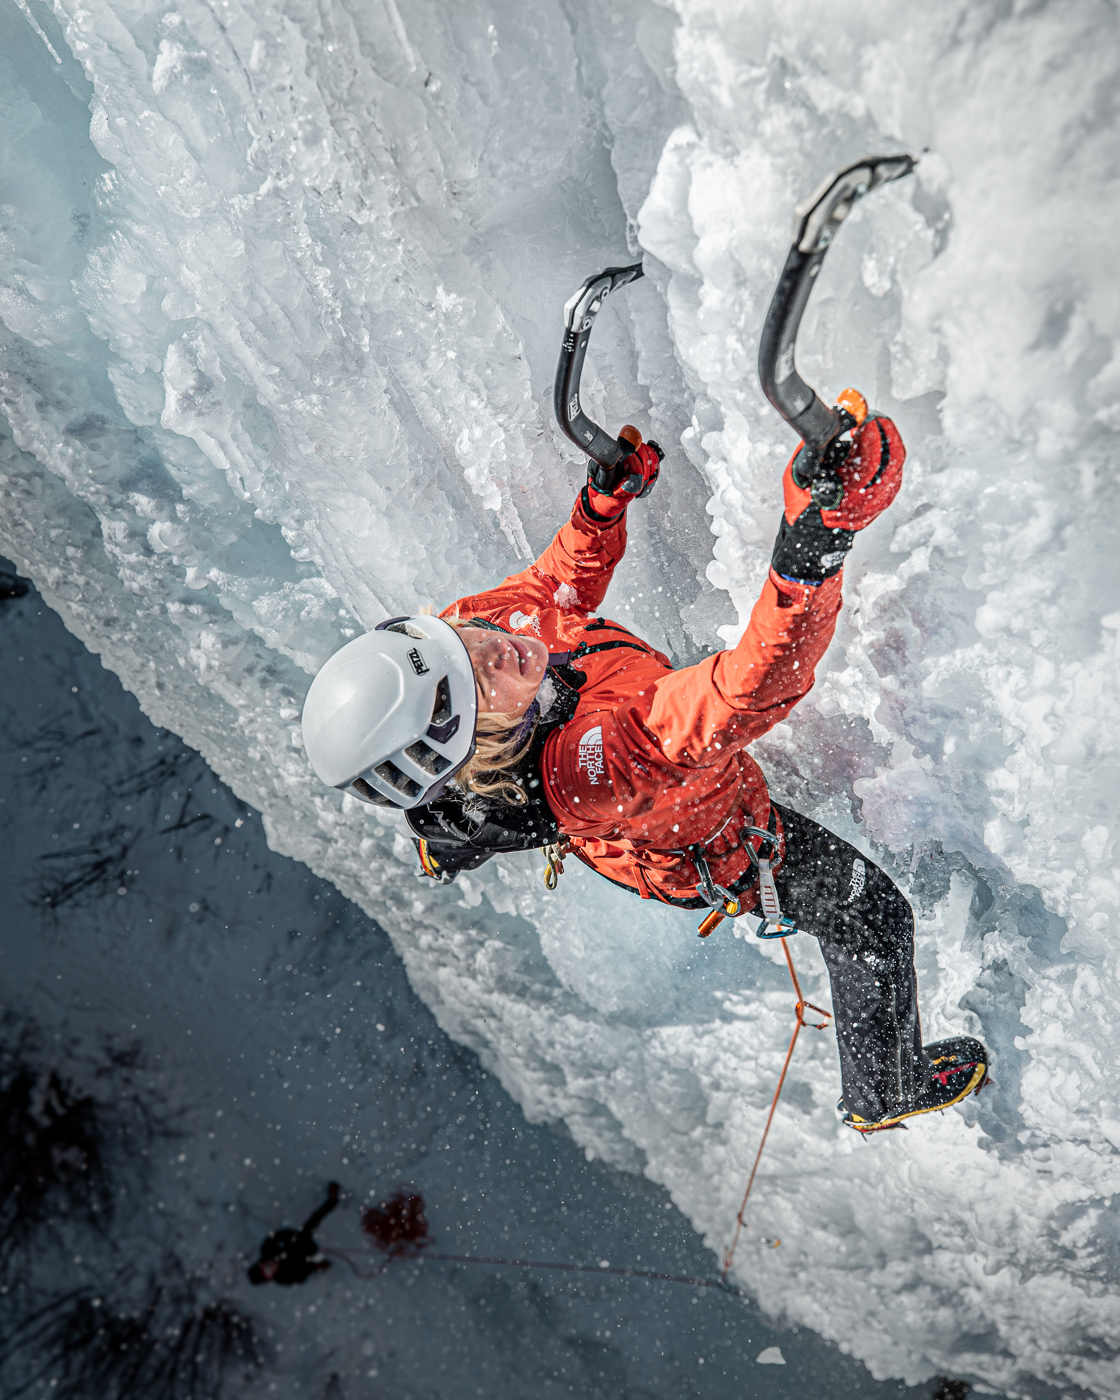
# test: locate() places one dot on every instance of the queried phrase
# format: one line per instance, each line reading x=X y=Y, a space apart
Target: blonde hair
x=499 y=747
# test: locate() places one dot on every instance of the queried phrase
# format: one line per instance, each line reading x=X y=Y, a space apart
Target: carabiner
x=712 y=921
x=554 y=853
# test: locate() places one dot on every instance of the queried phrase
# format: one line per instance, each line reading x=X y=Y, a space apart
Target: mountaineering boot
x=957 y=1067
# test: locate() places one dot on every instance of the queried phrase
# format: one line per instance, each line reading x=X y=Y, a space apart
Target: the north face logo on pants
x=859 y=879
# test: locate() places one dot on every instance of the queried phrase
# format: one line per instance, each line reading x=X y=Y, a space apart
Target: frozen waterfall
x=280 y=291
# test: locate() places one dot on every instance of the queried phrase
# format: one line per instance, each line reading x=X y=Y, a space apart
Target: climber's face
x=508 y=670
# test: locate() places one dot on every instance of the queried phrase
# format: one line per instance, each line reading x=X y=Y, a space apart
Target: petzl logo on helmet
x=417 y=662
x=589 y=756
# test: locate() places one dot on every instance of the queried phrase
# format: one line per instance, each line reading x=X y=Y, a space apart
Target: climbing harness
x=800 y=1007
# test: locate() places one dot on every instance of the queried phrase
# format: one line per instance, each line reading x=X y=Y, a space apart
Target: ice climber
x=292 y=1256
x=523 y=717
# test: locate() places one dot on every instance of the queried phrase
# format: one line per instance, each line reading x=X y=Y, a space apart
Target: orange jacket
x=655 y=760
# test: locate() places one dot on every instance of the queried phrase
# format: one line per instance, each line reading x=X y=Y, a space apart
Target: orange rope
x=799 y=1011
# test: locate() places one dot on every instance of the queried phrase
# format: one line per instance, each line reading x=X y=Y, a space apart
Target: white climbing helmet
x=391 y=717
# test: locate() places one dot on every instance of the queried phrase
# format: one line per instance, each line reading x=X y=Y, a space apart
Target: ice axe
x=580 y=311
x=815 y=223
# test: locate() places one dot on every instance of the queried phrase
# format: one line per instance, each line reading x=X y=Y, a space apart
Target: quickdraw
x=554 y=854
x=726 y=905
x=772 y=917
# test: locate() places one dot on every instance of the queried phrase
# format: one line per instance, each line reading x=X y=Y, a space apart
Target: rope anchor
x=800 y=1007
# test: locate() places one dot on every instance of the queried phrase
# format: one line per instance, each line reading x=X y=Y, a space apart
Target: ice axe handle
x=607 y=479
x=579 y=318
x=816 y=223
x=812 y=420
x=817 y=468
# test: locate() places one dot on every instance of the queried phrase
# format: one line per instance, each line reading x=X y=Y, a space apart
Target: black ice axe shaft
x=579 y=318
x=816 y=221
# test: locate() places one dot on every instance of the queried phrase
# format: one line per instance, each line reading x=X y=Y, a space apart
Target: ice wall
x=280 y=300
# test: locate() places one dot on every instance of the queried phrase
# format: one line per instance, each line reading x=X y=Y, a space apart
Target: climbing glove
x=812 y=543
x=637 y=475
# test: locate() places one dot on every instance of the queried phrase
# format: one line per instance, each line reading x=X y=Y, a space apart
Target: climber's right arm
x=734 y=697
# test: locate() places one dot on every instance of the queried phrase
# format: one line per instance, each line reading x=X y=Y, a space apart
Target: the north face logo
x=859 y=879
x=519 y=619
x=589 y=757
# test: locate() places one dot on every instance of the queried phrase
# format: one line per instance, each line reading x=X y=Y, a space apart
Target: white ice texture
x=281 y=292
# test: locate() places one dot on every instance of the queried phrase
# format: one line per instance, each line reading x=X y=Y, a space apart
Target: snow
x=280 y=303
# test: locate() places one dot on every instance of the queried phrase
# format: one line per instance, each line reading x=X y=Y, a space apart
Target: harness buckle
x=773 y=923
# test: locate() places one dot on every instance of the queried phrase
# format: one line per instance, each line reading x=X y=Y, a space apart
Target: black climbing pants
x=865 y=927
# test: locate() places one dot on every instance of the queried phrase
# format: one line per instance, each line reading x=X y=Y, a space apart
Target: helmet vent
x=427 y=758
x=400 y=782
x=444 y=725
x=441 y=712
x=408 y=628
x=363 y=790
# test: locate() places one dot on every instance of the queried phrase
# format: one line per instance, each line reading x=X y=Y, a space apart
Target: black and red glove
x=637 y=475
x=812 y=543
